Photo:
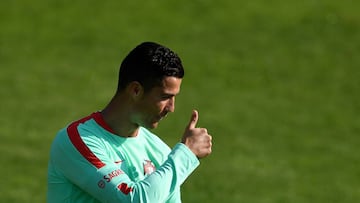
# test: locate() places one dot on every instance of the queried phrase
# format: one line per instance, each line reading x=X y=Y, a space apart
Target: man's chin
x=152 y=125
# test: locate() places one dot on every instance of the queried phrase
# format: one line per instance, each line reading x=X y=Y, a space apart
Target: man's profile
x=111 y=156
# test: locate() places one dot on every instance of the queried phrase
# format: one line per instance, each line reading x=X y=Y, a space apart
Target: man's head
x=148 y=64
x=150 y=76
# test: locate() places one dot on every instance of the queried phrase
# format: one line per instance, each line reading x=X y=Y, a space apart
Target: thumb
x=193 y=120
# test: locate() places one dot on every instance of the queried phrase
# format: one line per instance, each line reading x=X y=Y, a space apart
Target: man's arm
x=110 y=184
x=96 y=174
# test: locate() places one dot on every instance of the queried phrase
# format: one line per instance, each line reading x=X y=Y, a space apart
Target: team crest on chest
x=149 y=167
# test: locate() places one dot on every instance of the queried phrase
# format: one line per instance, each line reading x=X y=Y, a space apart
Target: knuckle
x=204 y=130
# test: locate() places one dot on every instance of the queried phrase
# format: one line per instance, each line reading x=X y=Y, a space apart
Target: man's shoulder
x=84 y=127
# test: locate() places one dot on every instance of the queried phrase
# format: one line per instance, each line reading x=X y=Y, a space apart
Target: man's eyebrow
x=169 y=94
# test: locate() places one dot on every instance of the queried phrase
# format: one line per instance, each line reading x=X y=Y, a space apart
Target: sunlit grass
x=276 y=84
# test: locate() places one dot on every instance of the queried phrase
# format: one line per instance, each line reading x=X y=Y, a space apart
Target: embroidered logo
x=118 y=162
x=113 y=174
x=124 y=188
x=101 y=184
x=149 y=167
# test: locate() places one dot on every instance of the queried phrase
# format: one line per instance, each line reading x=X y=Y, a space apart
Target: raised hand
x=197 y=139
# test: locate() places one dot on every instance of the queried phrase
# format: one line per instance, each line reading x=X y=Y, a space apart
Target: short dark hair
x=148 y=64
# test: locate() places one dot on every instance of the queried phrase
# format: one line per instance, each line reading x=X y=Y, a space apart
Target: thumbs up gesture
x=197 y=139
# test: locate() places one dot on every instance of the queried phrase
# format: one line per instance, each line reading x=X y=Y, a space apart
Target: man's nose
x=171 y=104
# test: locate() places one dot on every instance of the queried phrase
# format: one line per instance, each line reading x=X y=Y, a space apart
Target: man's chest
x=137 y=162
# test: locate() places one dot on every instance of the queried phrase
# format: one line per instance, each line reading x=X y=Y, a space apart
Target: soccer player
x=111 y=156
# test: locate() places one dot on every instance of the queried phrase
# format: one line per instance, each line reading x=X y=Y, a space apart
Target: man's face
x=157 y=102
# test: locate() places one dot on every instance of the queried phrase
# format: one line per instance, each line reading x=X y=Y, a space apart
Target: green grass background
x=275 y=82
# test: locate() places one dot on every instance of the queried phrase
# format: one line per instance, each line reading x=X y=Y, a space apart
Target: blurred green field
x=275 y=82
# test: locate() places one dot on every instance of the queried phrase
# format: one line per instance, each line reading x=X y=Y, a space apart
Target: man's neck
x=117 y=116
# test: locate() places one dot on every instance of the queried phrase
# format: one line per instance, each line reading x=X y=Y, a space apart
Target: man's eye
x=164 y=97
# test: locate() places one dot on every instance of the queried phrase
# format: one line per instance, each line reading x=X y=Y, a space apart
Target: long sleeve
x=158 y=185
x=100 y=178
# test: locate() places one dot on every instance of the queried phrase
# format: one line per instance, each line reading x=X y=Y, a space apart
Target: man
x=111 y=156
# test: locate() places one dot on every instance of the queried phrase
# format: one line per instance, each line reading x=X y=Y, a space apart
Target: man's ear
x=135 y=90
